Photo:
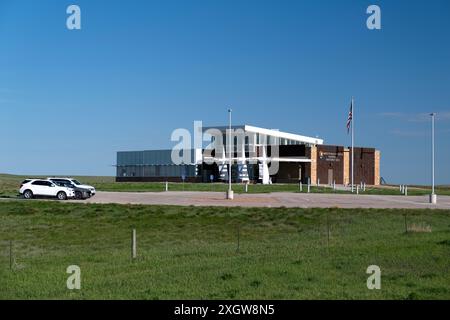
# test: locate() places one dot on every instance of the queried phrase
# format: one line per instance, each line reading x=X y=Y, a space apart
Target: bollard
x=309 y=188
x=406 y=190
x=300 y=185
x=357 y=189
x=167 y=186
x=400 y=188
x=364 y=185
x=433 y=198
x=318 y=181
x=334 y=184
x=246 y=187
x=133 y=244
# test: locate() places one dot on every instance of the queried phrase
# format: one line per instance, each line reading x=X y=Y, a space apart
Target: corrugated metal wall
x=152 y=163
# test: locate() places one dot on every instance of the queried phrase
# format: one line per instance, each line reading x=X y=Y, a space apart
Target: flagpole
x=353 y=138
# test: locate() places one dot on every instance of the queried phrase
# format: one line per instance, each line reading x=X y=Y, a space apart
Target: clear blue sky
x=139 y=69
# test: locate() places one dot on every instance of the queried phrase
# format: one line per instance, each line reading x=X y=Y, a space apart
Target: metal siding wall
x=156 y=171
x=152 y=163
x=149 y=157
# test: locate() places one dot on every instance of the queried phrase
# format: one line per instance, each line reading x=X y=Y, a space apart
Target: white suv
x=75 y=182
x=45 y=188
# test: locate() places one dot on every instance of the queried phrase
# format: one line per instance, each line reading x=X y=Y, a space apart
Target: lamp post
x=230 y=193
x=433 y=197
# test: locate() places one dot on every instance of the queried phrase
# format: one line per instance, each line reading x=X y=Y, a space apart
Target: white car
x=75 y=182
x=44 y=188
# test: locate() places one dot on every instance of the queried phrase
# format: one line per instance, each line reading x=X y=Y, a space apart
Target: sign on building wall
x=330 y=156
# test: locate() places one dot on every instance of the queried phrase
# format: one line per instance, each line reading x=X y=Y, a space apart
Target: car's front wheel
x=28 y=194
x=78 y=195
x=61 y=195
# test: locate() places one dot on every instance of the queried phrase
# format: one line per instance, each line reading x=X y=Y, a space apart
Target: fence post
x=133 y=244
x=167 y=186
x=328 y=233
x=406 y=190
x=334 y=185
x=300 y=185
x=246 y=187
x=238 y=239
x=10 y=255
x=357 y=189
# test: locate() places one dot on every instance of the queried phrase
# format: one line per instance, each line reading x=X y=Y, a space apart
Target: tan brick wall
x=313 y=165
x=377 y=167
x=324 y=158
x=346 y=166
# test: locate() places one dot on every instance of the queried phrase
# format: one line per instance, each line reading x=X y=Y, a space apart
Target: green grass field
x=9 y=185
x=192 y=252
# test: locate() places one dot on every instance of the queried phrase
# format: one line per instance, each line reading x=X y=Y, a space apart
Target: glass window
x=39 y=183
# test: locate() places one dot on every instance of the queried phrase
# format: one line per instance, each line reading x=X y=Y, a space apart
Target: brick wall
x=311 y=168
x=377 y=168
x=334 y=163
x=330 y=164
x=346 y=166
x=365 y=166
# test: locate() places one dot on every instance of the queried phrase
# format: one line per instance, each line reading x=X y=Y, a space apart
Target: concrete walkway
x=278 y=199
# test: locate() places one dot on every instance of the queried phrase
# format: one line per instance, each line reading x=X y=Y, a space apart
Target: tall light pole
x=230 y=194
x=433 y=196
x=353 y=144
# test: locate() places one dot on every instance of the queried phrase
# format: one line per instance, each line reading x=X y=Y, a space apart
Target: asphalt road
x=278 y=199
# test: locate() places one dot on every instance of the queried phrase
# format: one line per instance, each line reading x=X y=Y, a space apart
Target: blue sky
x=139 y=69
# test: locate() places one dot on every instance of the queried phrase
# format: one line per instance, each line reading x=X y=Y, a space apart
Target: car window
x=39 y=183
x=26 y=181
x=76 y=182
x=64 y=184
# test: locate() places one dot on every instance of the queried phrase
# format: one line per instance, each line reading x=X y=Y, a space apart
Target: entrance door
x=330 y=176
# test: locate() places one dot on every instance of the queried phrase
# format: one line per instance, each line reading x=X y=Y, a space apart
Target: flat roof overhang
x=275 y=159
x=269 y=132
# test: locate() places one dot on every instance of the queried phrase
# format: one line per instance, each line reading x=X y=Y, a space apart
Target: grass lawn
x=191 y=252
x=9 y=185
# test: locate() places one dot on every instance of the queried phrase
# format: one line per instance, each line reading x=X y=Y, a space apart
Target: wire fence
x=332 y=243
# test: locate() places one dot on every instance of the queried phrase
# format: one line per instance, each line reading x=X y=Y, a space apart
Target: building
x=154 y=165
x=258 y=155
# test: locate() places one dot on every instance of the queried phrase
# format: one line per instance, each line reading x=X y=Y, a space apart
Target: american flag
x=350 y=117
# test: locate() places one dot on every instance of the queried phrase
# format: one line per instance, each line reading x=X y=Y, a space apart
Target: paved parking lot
x=278 y=199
